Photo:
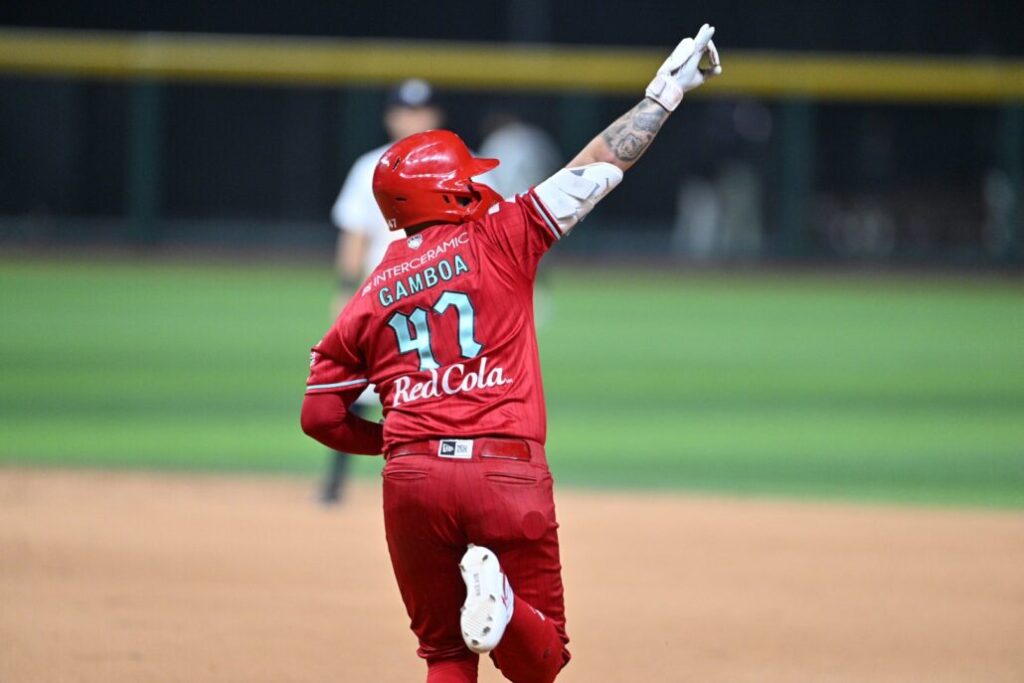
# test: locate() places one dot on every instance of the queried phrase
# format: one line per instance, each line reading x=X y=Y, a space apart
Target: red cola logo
x=453 y=380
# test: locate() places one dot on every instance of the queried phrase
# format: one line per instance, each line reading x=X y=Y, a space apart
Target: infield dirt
x=123 y=578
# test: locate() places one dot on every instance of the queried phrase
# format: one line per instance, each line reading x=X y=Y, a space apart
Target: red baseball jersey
x=444 y=328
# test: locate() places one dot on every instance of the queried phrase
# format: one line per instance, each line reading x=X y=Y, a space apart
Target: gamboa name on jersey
x=455 y=379
x=410 y=279
x=428 y=278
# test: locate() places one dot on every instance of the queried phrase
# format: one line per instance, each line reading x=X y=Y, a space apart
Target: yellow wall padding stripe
x=617 y=71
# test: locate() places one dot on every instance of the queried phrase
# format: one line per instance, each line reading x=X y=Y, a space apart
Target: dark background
x=266 y=162
x=926 y=26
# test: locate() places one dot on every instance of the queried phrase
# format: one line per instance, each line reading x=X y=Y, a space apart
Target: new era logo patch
x=455 y=448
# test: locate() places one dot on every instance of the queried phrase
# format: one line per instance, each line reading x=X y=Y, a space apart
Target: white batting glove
x=682 y=71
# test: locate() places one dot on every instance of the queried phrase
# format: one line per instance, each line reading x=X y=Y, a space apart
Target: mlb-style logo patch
x=461 y=449
x=497 y=207
x=415 y=241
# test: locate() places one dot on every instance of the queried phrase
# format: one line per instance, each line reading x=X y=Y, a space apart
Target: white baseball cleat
x=489 y=600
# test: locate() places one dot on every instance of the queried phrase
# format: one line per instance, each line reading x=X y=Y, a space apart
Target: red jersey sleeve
x=334 y=364
x=523 y=230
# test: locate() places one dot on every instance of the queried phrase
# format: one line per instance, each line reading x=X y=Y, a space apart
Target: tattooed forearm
x=630 y=136
x=625 y=141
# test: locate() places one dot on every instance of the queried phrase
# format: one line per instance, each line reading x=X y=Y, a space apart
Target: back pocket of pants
x=513 y=478
x=403 y=474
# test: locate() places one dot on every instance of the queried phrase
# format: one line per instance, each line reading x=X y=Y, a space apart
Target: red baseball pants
x=433 y=508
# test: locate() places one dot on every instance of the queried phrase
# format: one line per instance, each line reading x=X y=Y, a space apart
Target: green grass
x=891 y=389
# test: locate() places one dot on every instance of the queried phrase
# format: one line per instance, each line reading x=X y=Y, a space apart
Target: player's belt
x=470 y=449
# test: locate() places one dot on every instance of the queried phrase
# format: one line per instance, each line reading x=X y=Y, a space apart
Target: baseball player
x=363 y=236
x=444 y=328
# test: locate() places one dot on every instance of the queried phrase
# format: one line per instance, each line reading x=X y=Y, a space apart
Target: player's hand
x=694 y=61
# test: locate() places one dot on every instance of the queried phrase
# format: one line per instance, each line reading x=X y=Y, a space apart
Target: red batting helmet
x=428 y=177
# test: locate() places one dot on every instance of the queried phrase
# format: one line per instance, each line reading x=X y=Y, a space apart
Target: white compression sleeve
x=571 y=193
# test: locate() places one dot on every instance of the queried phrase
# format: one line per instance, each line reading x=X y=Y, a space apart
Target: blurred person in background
x=999 y=197
x=363 y=236
x=719 y=210
x=528 y=155
x=858 y=220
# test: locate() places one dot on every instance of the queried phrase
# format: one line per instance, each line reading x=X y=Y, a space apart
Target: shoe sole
x=484 y=614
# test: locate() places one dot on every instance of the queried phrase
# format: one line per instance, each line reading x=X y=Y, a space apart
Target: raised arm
x=622 y=143
x=571 y=193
